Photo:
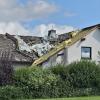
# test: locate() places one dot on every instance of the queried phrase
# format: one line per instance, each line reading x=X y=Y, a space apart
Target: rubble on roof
x=22 y=45
x=30 y=40
x=43 y=47
x=29 y=48
x=19 y=47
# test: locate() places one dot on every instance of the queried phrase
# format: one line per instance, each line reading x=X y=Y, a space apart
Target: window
x=86 y=52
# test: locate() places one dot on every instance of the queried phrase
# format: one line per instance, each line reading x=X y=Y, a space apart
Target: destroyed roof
x=32 y=39
x=9 y=43
x=78 y=35
x=63 y=37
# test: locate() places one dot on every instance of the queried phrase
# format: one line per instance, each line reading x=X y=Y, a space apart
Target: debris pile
x=22 y=45
x=41 y=48
x=48 y=42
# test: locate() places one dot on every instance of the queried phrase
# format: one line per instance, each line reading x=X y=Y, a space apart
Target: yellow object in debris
x=74 y=34
x=68 y=41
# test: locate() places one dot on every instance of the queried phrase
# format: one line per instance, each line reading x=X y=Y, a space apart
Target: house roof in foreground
x=78 y=35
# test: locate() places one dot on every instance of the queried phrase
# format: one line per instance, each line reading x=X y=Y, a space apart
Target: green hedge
x=37 y=82
x=10 y=92
x=84 y=74
x=76 y=79
x=81 y=76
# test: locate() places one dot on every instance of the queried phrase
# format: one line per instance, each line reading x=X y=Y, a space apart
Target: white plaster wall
x=55 y=59
x=92 y=40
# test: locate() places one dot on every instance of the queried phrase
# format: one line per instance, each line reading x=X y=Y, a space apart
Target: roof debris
x=42 y=48
x=22 y=45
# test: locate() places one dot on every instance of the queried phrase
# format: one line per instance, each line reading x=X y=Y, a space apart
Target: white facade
x=92 y=40
x=59 y=58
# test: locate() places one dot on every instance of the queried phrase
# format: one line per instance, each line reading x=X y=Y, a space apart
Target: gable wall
x=92 y=40
x=59 y=58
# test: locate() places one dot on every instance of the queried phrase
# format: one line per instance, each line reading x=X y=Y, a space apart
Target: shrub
x=84 y=74
x=60 y=70
x=82 y=78
x=76 y=79
x=37 y=82
x=10 y=92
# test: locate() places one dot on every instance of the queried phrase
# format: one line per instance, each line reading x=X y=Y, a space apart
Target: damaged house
x=81 y=44
x=24 y=50
x=52 y=50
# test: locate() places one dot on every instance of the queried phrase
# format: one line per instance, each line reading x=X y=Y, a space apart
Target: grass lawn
x=77 y=98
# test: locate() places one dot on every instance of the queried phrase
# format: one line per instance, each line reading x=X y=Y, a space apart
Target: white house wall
x=59 y=58
x=92 y=40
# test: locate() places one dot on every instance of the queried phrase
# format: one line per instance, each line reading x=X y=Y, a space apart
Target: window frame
x=89 y=52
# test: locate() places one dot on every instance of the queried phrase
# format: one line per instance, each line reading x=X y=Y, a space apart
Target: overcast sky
x=35 y=17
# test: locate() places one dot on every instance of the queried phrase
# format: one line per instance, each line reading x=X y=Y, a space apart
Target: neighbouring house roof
x=8 y=43
x=32 y=39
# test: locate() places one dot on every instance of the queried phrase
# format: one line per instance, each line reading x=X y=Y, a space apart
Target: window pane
x=86 y=52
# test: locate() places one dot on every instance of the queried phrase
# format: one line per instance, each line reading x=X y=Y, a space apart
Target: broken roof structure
x=36 y=50
x=20 y=52
x=25 y=48
x=75 y=36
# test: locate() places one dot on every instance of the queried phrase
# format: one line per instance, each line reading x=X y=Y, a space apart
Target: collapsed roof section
x=42 y=48
x=22 y=45
x=21 y=49
x=75 y=36
x=30 y=48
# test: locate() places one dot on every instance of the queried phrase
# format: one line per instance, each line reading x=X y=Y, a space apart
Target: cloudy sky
x=35 y=17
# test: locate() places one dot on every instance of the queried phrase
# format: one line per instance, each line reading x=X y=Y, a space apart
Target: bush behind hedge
x=80 y=76
x=84 y=74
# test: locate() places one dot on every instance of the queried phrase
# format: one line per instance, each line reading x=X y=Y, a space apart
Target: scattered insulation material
x=48 y=42
x=22 y=45
x=42 y=48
